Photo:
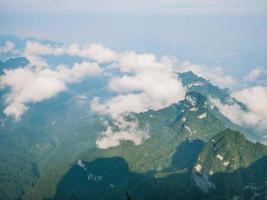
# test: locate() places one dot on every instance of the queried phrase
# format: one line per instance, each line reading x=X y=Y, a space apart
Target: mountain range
x=193 y=151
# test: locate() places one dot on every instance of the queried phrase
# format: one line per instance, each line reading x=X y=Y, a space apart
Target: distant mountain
x=13 y=63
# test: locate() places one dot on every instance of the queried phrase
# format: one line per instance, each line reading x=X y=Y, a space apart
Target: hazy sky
x=229 y=33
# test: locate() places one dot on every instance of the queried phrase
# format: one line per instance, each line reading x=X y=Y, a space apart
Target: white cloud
x=254 y=74
x=95 y=52
x=35 y=50
x=236 y=114
x=255 y=99
x=215 y=75
x=39 y=49
x=146 y=83
x=8 y=47
x=32 y=84
x=128 y=131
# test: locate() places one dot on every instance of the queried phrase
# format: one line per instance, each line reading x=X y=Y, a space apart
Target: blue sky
x=229 y=33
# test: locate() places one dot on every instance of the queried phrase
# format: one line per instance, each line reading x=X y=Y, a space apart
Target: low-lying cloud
x=34 y=51
x=255 y=98
x=145 y=83
x=32 y=84
x=141 y=82
x=7 y=47
x=216 y=75
x=128 y=131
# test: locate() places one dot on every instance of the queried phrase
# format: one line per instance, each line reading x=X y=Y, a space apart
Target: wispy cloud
x=7 y=47
x=126 y=131
x=255 y=74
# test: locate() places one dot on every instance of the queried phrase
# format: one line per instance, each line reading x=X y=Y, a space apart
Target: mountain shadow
x=246 y=183
x=110 y=178
x=186 y=154
x=227 y=167
x=99 y=179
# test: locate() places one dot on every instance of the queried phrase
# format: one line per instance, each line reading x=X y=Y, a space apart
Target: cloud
x=215 y=75
x=8 y=47
x=146 y=83
x=254 y=74
x=32 y=84
x=95 y=52
x=255 y=99
x=39 y=49
x=236 y=114
x=34 y=51
x=128 y=131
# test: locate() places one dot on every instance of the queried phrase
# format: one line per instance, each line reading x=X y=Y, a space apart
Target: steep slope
x=229 y=166
x=198 y=84
x=178 y=134
x=47 y=133
x=162 y=163
x=188 y=120
x=194 y=83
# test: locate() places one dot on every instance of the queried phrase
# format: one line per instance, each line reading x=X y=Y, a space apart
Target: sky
x=229 y=33
x=224 y=41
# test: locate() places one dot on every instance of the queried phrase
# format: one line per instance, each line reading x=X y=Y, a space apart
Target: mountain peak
x=227 y=151
x=195 y=99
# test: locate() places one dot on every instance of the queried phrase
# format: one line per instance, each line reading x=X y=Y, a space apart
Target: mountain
x=178 y=134
x=198 y=84
x=47 y=132
x=232 y=167
x=53 y=151
x=185 y=124
x=194 y=83
x=226 y=167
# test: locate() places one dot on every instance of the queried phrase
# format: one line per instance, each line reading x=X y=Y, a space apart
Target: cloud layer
x=31 y=84
x=128 y=131
x=35 y=51
x=255 y=98
x=7 y=47
x=140 y=82
x=146 y=83
x=216 y=75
